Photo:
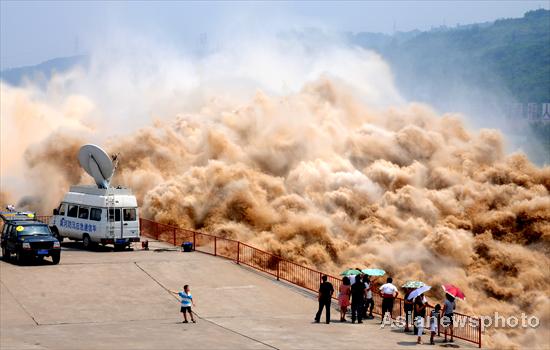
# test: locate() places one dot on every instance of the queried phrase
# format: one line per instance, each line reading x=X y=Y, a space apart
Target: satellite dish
x=97 y=164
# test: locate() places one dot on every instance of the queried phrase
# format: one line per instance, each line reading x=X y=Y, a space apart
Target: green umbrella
x=374 y=272
x=413 y=284
x=350 y=272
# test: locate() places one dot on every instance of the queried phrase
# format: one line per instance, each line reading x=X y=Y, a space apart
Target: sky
x=34 y=31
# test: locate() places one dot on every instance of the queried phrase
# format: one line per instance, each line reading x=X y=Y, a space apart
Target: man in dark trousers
x=357 y=300
x=325 y=297
x=369 y=302
x=389 y=293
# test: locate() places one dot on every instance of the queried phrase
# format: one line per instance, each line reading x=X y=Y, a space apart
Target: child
x=186 y=302
x=434 y=321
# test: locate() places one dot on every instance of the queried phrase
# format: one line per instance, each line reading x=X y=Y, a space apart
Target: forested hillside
x=511 y=57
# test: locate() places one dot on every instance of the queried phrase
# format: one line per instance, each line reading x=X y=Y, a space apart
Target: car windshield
x=33 y=230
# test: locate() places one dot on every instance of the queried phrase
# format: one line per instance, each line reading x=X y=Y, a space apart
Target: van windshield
x=33 y=230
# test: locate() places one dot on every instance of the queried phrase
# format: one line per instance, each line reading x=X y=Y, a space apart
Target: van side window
x=95 y=214
x=83 y=213
x=129 y=215
x=73 y=211
x=114 y=214
x=62 y=208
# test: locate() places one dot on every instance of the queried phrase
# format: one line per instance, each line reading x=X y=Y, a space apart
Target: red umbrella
x=454 y=291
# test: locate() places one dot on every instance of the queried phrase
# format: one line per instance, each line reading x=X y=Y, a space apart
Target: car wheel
x=56 y=258
x=86 y=242
x=6 y=255
x=19 y=258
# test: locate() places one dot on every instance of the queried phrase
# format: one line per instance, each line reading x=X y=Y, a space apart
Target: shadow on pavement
x=30 y=262
x=97 y=248
x=406 y=343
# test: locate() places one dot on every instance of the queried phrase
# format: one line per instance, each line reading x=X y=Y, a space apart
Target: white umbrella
x=418 y=292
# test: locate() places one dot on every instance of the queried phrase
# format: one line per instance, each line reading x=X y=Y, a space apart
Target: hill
x=41 y=72
x=510 y=57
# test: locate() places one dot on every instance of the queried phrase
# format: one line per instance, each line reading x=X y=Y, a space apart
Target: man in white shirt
x=389 y=293
x=369 y=302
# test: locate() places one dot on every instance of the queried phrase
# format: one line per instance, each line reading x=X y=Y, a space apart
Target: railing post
x=174 y=236
x=479 y=331
x=278 y=261
x=215 y=244
x=238 y=252
x=194 y=241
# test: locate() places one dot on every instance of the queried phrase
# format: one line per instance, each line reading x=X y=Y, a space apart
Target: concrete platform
x=105 y=300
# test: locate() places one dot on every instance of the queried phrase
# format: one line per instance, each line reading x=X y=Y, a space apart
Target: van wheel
x=56 y=258
x=119 y=247
x=6 y=255
x=86 y=242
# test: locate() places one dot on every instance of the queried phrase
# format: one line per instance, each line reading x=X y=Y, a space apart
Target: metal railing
x=44 y=218
x=465 y=327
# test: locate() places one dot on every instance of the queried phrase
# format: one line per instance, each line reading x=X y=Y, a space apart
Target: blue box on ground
x=187 y=246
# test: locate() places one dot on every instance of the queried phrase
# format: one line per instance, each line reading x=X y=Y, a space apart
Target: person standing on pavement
x=434 y=322
x=408 y=307
x=369 y=302
x=186 y=302
x=357 y=300
x=424 y=301
x=420 y=304
x=325 y=297
x=388 y=292
x=343 y=298
x=448 y=313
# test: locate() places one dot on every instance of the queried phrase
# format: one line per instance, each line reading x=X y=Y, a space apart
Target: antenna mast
x=114 y=159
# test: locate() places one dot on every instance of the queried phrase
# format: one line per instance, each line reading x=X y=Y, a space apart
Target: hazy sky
x=32 y=32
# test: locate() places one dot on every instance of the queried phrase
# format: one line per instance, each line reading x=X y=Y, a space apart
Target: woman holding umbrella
x=451 y=292
x=448 y=313
x=420 y=304
x=409 y=286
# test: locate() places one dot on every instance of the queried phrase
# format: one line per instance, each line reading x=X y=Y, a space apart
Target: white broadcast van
x=97 y=214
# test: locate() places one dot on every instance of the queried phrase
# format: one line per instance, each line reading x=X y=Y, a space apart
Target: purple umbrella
x=418 y=291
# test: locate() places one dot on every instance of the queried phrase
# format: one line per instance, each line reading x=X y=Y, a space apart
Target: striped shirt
x=186 y=299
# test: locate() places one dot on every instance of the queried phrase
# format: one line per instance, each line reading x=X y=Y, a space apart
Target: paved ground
x=108 y=300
